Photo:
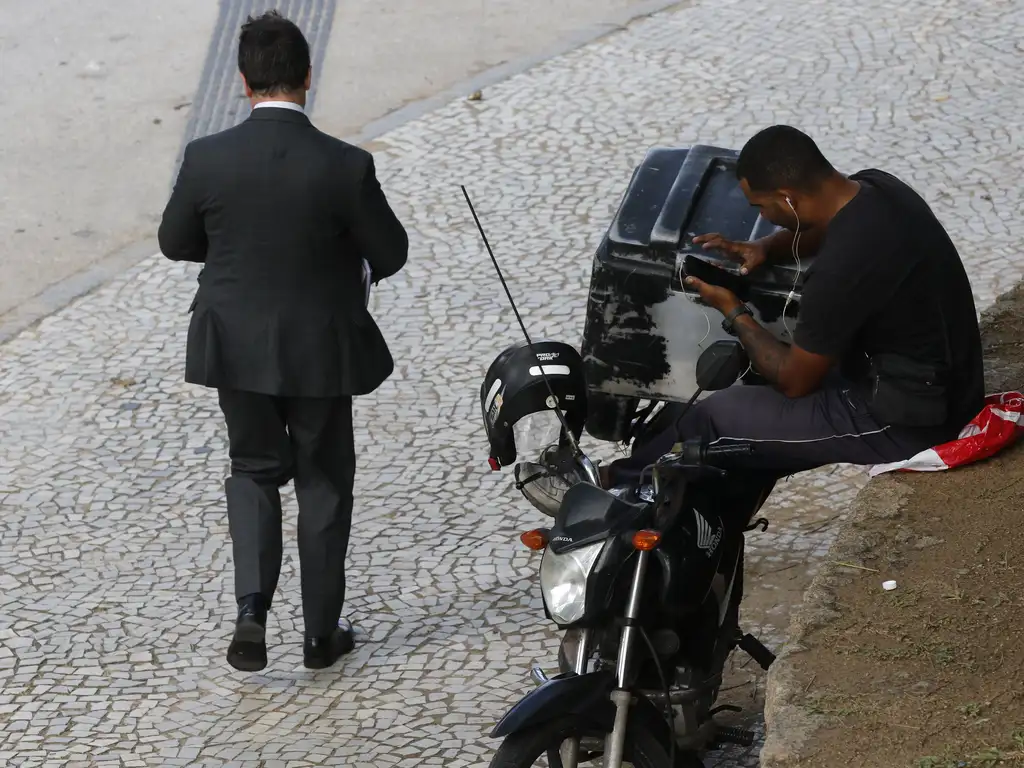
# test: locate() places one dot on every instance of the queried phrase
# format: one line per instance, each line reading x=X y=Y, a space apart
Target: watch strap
x=730 y=320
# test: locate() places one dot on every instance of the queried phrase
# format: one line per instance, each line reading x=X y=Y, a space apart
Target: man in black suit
x=282 y=217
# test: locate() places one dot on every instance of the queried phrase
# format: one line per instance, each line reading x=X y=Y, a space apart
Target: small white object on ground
x=888 y=586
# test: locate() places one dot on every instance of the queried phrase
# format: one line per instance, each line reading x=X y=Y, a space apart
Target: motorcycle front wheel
x=540 y=746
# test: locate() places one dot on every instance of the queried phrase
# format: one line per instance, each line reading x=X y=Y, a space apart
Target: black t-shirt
x=887 y=279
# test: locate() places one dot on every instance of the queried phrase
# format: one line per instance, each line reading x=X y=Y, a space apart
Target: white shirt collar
x=280 y=105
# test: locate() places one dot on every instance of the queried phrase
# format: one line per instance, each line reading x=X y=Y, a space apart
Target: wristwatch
x=728 y=324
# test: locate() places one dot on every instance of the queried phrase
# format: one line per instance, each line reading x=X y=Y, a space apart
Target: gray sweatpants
x=830 y=426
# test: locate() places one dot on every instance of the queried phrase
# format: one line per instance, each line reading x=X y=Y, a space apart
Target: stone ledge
x=789 y=721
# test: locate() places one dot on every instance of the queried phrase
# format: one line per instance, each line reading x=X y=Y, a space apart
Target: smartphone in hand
x=712 y=275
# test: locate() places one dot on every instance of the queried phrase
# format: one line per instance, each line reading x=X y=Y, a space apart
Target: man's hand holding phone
x=715 y=285
x=751 y=254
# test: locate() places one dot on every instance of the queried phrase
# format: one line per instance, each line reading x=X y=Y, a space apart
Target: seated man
x=886 y=356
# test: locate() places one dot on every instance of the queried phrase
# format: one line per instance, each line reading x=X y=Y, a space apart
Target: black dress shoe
x=322 y=652
x=248 y=649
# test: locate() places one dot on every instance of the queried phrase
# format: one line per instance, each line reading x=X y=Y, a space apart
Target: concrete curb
x=788 y=720
x=60 y=294
x=789 y=723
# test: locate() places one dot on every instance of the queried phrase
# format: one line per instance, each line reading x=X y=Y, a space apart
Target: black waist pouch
x=907 y=393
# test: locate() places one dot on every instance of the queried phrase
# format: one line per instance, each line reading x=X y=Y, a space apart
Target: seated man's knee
x=710 y=418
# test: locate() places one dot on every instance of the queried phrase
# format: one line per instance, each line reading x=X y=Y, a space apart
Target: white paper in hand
x=367 y=281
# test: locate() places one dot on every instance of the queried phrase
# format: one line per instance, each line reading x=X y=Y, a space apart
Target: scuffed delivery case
x=643 y=334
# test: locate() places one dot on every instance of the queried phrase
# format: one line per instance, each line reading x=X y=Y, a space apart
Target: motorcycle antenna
x=547 y=382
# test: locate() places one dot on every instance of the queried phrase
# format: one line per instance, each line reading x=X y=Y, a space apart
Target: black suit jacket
x=281 y=215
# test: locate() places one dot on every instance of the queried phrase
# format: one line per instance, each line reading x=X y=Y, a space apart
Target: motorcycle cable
x=670 y=714
x=577 y=452
x=686 y=409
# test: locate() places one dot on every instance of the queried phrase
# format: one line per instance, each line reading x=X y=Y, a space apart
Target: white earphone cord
x=789 y=298
x=799 y=269
x=707 y=318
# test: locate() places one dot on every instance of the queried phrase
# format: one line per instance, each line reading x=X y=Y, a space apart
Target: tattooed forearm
x=766 y=353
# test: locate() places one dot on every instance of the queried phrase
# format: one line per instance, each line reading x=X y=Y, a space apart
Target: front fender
x=583 y=695
x=564 y=694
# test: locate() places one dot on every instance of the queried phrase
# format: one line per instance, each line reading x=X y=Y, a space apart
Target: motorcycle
x=643 y=581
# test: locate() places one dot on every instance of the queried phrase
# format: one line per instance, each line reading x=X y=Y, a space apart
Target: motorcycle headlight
x=563 y=581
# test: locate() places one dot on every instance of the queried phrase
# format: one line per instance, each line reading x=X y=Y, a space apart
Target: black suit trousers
x=274 y=440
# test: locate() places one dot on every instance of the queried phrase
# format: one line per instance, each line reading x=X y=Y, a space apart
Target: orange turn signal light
x=645 y=541
x=535 y=539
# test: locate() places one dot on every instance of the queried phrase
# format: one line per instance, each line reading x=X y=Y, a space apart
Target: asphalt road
x=96 y=98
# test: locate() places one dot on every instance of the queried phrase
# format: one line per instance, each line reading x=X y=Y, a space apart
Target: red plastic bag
x=998 y=426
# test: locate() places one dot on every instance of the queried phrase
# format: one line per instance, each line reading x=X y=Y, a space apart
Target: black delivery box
x=643 y=332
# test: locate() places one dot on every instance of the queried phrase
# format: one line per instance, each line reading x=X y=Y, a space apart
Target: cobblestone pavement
x=115 y=591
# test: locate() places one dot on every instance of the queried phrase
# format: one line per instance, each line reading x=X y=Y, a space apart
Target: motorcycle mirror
x=720 y=365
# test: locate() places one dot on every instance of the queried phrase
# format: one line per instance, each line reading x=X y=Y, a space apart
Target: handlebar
x=733 y=450
x=697 y=456
x=696 y=452
x=698 y=459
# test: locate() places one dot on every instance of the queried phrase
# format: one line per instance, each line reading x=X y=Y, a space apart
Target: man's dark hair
x=273 y=54
x=782 y=157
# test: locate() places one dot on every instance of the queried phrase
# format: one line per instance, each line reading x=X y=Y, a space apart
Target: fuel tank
x=698 y=559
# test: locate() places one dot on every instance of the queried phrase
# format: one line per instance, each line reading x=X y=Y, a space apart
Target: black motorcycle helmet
x=514 y=388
